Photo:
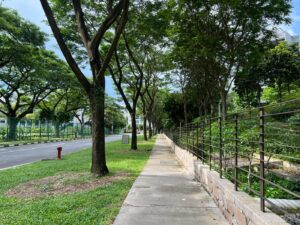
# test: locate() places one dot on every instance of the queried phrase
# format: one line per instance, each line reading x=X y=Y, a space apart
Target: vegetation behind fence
x=13 y=129
x=258 y=150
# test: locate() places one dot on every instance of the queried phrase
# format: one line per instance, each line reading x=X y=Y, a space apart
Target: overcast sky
x=31 y=10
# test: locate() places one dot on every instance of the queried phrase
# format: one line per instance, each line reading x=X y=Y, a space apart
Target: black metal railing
x=258 y=150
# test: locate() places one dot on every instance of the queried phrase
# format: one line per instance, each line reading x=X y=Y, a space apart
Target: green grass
x=97 y=206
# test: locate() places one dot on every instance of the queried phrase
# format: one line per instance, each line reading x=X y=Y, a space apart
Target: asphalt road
x=18 y=155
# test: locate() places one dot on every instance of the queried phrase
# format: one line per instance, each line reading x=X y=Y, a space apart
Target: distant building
x=284 y=35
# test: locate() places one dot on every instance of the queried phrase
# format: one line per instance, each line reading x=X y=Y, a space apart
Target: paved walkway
x=165 y=195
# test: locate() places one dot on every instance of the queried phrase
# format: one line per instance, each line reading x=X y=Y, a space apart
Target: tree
x=86 y=16
x=143 y=32
x=114 y=117
x=154 y=66
x=278 y=68
x=25 y=82
x=63 y=105
x=281 y=67
x=129 y=85
x=248 y=86
x=232 y=33
x=17 y=36
x=173 y=106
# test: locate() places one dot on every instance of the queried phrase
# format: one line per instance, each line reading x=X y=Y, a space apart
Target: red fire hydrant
x=59 y=149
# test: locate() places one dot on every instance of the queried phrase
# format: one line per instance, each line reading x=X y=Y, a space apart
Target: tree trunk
x=81 y=129
x=280 y=92
x=98 y=133
x=213 y=109
x=12 y=128
x=133 y=132
x=57 y=133
x=224 y=104
x=154 y=129
x=150 y=129
x=185 y=111
x=205 y=110
x=145 y=128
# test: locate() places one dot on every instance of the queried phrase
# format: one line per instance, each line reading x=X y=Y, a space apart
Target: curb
x=39 y=142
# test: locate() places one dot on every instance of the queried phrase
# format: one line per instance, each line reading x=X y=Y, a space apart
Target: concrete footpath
x=165 y=195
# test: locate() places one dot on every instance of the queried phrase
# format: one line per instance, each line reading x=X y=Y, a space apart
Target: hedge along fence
x=251 y=149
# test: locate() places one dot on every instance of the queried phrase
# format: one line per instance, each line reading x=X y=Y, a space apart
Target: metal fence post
x=210 y=143
x=30 y=129
x=180 y=130
x=197 y=134
x=236 y=151
x=40 y=123
x=187 y=136
x=220 y=146
x=193 y=138
x=24 y=132
x=19 y=132
x=262 y=157
x=203 y=140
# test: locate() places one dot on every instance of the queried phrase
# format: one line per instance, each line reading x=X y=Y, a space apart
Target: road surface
x=18 y=155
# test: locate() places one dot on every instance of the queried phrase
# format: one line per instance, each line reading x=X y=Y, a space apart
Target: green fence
x=13 y=129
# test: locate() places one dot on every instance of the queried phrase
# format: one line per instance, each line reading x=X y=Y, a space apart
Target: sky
x=294 y=27
x=31 y=10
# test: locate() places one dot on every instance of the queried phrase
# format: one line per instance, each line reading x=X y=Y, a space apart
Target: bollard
x=59 y=150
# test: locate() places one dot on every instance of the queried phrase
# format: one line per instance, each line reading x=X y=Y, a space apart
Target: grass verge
x=94 y=206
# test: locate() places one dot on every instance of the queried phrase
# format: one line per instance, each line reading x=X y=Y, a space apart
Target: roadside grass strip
x=64 y=192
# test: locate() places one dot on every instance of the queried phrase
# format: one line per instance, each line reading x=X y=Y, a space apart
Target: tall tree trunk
x=154 y=128
x=185 y=111
x=12 y=128
x=213 y=109
x=150 y=129
x=98 y=133
x=223 y=96
x=81 y=129
x=56 y=126
x=205 y=110
x=133 y=132
x=145 y=128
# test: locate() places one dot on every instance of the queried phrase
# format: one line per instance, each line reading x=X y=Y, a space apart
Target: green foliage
x=173 y=107
x=271 y=191
x=214 y=41
x=28 y=72
x=114 y=116
x=278 y=69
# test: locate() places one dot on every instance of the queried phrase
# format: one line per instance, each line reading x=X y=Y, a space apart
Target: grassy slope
x=98 y=206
